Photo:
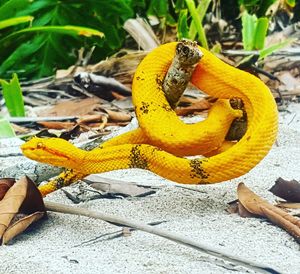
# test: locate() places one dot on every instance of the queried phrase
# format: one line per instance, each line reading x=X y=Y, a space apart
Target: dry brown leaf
x=57 y=125
x=288 y=190
x=118 y=116
x=289 y=205
x=118 y=187
x=20 y=225
x=243 y=212
x=279 y=220
x=77 y=107
x=5 y=184
x=10 y=205
x=23 y=198
x=19 y=129
x=200 y=105
x=258 y=206
x=236 y=207
x=92 y=118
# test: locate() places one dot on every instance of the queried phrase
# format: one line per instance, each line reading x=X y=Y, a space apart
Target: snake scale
x=162 y=138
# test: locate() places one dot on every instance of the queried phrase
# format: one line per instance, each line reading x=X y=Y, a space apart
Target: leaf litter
x=253 y=205
x=21 y=205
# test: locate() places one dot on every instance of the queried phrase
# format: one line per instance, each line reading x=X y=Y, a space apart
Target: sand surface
x=58 y=244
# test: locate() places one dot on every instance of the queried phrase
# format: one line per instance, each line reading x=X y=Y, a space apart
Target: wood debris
x=260 y=207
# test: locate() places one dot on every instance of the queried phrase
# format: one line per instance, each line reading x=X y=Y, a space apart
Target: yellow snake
x=158 y=122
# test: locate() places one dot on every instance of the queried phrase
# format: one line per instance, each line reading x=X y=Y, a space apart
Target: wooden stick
x=57 y=207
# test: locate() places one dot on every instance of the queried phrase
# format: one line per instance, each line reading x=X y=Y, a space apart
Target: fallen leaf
x=118 y=187
x=119 y=116
x=289 y=205
x=258 y=206
x=92 y=118
x=236 y=207
x=199 y=105
x=20 y=225
x=21 y=199
x=243 y=212
x=277 y=219
x=5 y=184
x=288 y=190
x=71 y=107
x=57 y=125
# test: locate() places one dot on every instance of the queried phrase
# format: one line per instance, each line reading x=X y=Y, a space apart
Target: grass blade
x=261 y=33
x=198 y=24
x=15 y=21
x=182 y=29
x=248 y=30
x=68 y=30
x=269 y=50
x=201 y=10
x=12 y=94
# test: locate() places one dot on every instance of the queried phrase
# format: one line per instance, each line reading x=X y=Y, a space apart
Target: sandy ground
x=58 y=244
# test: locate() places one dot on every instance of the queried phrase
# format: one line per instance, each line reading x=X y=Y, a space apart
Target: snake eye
x=39 y=145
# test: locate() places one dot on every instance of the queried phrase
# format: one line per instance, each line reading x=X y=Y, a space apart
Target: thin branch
x=287 y=52
x=19 y=120
x=56 y=207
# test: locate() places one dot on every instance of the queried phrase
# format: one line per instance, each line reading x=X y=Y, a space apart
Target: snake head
x=53 y=151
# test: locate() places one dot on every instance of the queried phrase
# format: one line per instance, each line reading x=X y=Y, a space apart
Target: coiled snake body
x=157 y=119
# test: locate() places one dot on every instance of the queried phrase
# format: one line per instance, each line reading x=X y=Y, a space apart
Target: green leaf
x=6 y=131
x=269 y=50
x=179 y=5
x=182 y=29
x=58 y=51
x=198 y=24
x=68 y=30
x=12 y=94
x=170 y=20
x=158 y=8
x=260 y=33
x=201 y=11
x=21 y=54
x=248 y=30
x=8 y=10
x=15 y=21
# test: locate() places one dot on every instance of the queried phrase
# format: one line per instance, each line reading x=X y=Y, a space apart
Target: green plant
x=254 y=33
x=184 y=15
x=260 y=7
x=6 y=131
x=12 y=94
x=36 y=51
x=197 y=16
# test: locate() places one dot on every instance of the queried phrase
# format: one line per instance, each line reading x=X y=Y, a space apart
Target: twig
x=56 y=207
x=287 y=52
x=19 y=120
x=113 y=235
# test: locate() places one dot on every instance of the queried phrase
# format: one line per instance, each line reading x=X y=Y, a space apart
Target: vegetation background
x=39 y=36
